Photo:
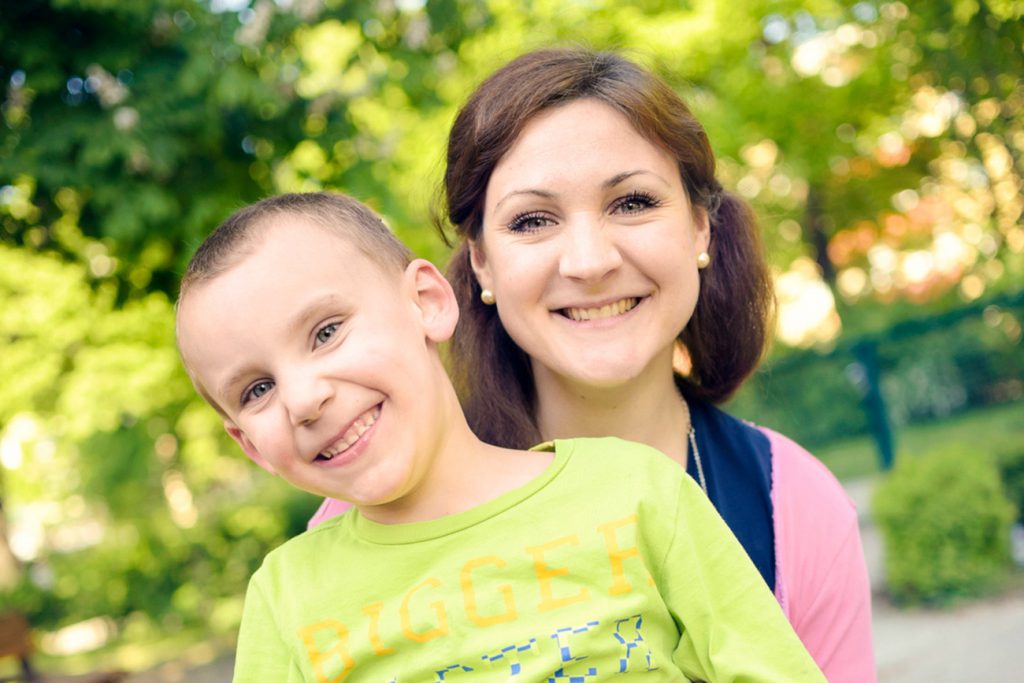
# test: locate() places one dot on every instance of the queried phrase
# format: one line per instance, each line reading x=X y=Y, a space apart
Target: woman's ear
x=478 y=261
x=434 y=299
x=701 y=231
x=250 y=449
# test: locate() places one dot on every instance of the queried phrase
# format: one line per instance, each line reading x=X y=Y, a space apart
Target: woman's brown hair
x=727 y=335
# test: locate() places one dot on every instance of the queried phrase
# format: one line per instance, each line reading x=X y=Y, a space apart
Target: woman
x=597 y=253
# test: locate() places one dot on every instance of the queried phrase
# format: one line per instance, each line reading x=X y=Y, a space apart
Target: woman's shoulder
x=797 y=477
x=802 y=481
x=823 y=583
x=817 y=535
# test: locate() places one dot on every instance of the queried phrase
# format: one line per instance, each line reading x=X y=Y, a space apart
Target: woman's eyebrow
x=543 y=194
x=611 y=182
x=626 y=175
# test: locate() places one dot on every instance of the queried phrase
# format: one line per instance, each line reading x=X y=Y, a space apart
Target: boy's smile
x=351 y=442
x=322 y=363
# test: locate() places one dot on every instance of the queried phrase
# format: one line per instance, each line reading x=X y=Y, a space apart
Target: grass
x=982 y=430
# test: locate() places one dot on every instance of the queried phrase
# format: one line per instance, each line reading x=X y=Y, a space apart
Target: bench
x=16 y=641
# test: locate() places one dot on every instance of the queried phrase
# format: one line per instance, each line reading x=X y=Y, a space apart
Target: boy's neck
x=464 y=473
x=648 y=409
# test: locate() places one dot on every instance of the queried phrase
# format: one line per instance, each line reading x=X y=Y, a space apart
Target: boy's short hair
x=347 y=218
x=238 y=236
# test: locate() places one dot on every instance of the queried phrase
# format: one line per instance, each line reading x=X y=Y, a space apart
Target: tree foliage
x=880 y=142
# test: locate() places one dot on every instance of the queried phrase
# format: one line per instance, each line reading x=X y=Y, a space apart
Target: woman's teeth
x=352 y=434
x=607 y=311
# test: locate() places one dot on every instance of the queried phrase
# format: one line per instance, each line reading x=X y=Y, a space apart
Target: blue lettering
x=636 y=622
x=512 y=652
x=561 y=636
x=451 y=667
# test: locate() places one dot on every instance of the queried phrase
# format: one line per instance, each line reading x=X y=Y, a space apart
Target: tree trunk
x=10 y=568
x=814 y=231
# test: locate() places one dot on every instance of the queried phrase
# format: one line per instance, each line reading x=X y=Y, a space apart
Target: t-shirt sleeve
x=732 y=627
x=822 y=579
x=261 y=654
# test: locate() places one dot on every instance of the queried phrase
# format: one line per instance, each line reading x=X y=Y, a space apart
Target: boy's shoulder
x=611 y=456
x=309 y=547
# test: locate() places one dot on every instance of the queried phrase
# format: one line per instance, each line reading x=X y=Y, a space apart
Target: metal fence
x=918 y=370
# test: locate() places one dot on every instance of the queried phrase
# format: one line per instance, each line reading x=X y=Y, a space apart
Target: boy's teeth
x=607 y=311
x=352 y=434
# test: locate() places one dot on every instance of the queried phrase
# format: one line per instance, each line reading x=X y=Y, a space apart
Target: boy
x=315 y=335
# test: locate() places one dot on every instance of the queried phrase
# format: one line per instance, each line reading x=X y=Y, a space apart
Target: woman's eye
x=324 y=334
x=256 y=390
x=528 y=222
x=635 y=202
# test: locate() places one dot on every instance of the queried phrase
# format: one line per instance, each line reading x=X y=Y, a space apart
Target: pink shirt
x=822 y=579
x=821 y=576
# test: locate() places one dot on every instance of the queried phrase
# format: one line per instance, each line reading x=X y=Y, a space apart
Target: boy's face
x=323 y=362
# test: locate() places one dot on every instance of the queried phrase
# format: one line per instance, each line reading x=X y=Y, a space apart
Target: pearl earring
x=703 y=260
x=487 y=296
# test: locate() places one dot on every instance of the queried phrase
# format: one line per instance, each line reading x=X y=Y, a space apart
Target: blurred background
x=880 y=142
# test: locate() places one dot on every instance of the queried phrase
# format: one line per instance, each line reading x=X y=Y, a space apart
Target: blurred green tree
x=880 y=142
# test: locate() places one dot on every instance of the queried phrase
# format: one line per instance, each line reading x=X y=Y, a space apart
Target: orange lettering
x=545 y=574
x=438 y=606
x=469 y=595
x=616 y=555
x=331 y=658
x=373 y=611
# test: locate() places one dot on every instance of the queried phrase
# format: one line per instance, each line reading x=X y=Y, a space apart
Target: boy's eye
x=256 y=390
x=324 y=334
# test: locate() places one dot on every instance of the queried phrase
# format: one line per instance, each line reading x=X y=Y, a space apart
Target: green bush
x=945 y=523
x=1011 y=469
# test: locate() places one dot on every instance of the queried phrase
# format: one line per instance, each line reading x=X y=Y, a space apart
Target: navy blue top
x=737 y=463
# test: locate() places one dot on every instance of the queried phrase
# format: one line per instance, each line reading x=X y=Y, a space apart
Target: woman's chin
x=598 y=374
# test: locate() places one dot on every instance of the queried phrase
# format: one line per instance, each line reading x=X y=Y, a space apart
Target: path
x=975 y=641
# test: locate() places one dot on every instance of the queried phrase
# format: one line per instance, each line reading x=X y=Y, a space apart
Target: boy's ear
x=434 y=298
x=478 y=261
x=250 y=449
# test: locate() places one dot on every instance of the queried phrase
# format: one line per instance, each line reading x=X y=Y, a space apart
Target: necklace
x=696 y=460
x=692 y=435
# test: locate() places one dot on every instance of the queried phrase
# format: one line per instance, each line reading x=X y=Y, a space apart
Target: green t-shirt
x=610 y=563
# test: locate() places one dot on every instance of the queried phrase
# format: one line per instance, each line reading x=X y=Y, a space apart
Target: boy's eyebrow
x=312 y=308
x=299 y=320
x=225 y=387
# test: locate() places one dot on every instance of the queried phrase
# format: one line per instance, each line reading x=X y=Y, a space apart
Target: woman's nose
x=589 y=253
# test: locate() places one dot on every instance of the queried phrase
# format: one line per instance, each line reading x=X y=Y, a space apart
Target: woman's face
x=589 y=243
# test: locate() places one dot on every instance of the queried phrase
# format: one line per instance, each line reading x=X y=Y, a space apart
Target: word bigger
x=488 y=599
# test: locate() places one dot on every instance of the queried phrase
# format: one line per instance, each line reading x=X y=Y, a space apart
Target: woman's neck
x=649 y=410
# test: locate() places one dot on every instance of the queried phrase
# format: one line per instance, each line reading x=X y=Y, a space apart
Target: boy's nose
x=589 y=253
x=306 y=399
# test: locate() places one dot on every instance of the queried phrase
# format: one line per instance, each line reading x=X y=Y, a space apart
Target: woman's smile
x=609 y=249
x=610 y=310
